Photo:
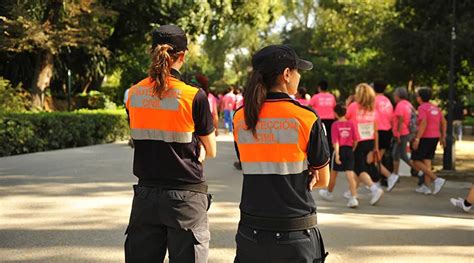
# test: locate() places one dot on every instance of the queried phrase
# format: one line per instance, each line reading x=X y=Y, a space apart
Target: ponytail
x=160 y=66
x=254 y=97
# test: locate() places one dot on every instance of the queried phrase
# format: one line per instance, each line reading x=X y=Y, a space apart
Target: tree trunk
x=41 y=78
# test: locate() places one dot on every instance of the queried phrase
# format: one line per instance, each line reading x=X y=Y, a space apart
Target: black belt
x=199 y=187
x=279 y=224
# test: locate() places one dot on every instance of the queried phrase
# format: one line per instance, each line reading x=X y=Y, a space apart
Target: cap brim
x=303 y=64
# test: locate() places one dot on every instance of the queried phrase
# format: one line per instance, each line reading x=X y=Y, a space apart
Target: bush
x=12 y=98
x=34 y=132
x=94 y=100
x=469 y=120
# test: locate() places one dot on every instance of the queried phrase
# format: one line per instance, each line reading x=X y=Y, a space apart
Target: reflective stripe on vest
x=168 y=118
x=159 y=135
x=273 y=167
x=280 y=144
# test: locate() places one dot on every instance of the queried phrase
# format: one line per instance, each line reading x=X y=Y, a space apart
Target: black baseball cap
x=275 y=58
x=171 y=35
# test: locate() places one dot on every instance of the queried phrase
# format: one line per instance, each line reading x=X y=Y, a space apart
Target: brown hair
x=160 y=66
x=255 y=93
x=365 y=96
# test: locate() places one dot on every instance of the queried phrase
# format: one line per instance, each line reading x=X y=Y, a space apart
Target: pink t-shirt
x=239 y=100
x=363 y=121
x=303 y=101
x=343 y=133
x=433 y=115
x=228 y=101
x=403 y=109
x=323 y=103
x=212 y=104
x=384 y=109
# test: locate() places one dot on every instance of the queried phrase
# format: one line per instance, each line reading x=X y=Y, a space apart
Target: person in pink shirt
x=228 y=106
x=214 y=112
x=323 y=103
x=344 y=140
x=431 y=129
x=301 y=96
x=239 y=99
x=401 y=129
x=363 y=115
x=203 y=82
x=384 y=109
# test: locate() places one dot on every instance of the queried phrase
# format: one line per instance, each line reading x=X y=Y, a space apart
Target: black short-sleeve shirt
x=288 y=195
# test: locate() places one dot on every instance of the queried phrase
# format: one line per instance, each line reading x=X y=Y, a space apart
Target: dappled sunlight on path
x=74 y=205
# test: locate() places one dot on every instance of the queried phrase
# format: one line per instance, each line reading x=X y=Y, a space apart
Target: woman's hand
x=442 y=141
x=415 y=144
x=377 y=156
x=202 y=153
x=398 y=139
x=314 y=178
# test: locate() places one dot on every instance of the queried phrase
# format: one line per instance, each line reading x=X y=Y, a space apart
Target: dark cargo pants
x=167 y=219
x=304 y=246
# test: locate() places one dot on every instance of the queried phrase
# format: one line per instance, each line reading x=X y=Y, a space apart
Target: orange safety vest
x=281 y=142
x=168 y=119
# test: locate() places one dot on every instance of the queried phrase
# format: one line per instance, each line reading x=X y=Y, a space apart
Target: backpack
x=412 y=124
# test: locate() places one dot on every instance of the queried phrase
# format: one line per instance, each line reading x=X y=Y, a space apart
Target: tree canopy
x=349 y=41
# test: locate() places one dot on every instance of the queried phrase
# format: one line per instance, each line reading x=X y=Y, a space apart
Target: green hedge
x=34 y=132
x=468 y=121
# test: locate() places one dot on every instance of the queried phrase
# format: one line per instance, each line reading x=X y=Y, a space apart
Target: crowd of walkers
x=368 y=134
x=369 y=129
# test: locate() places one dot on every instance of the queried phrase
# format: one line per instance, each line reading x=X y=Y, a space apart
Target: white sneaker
x=423 y=189
x=438 y=185
x=352 y=203
x=459 y=202
x=376 y=196
x=326 y=195
x=392 y=180
x=347 y=194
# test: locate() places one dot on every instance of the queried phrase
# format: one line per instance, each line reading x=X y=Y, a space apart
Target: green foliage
x=35 y=132
x=343 y=43
x=12 y=99
x=247 y=31
x=94 y=100
x=417 y=43
x=74 y=32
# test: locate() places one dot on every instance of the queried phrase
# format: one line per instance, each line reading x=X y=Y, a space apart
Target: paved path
x=73 y=206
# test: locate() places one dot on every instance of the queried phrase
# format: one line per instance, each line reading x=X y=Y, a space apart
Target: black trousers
x=258 y=246
x=173 y=220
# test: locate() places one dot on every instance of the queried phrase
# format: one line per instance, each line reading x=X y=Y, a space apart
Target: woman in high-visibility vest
x=172 y=129
x=283 y=149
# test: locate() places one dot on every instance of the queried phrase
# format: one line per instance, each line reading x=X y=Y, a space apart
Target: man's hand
x=338 y=159
x=202 y=153
x=314 y=178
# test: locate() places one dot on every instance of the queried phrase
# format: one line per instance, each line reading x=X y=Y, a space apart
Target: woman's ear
x=286 y=75
x=181 y=57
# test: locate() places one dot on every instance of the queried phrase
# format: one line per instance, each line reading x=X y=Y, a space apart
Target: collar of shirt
x=278 y=96
x=176 y=74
